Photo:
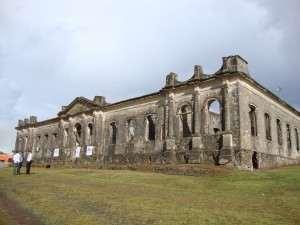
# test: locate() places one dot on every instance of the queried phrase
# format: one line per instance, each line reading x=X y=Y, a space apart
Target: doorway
x=255 y=163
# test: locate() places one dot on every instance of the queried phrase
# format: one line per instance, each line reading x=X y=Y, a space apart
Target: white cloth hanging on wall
x=56 y=152
x=77 y=152
x=89 y=150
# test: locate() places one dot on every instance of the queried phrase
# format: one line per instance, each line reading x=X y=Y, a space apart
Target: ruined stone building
x=223 y=118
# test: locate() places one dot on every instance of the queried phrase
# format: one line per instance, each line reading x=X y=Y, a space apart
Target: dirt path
x=15 y=213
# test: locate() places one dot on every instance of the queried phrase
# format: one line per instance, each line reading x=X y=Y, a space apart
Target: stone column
x=196 y=154
x=170 y=141
x=227 y=141
x=44 y=147
x=171 y=113
x=226 y=110
x=99 y=136
x=17 y=143
x=160 y=135
x=197 y=118
x=60 y=134
x=31 y=139
x=72 y=138
x=33 y=142
x=60 y=137
x=27 y=141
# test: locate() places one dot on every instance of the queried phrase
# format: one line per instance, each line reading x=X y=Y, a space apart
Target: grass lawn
x=122 y=197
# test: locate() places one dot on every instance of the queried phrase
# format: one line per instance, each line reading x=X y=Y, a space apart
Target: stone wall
x=174 y=125
x=267 y=148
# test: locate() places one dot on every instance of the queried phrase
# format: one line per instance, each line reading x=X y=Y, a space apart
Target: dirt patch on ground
x=12 y=212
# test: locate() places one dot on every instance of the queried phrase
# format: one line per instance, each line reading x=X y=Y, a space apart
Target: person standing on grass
x=17 y=161
x=21 y=162
x=28 y=162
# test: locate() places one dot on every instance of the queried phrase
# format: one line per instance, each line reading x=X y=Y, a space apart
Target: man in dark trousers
x=28 y=162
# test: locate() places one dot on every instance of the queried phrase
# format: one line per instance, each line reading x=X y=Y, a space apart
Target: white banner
x=77 y=152
x=56 y=152
x=89 y=150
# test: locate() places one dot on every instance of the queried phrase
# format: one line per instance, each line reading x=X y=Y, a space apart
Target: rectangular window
x=288 y=132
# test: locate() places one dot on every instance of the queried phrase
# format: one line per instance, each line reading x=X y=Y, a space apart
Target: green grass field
x=122 y=197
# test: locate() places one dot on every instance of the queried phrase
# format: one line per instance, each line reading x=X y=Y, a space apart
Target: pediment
x=78 y=105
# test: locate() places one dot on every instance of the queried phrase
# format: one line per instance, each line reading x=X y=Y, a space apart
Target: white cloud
x=53 y=51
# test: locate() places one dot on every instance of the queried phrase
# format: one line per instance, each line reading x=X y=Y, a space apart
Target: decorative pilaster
x=226 y=153
x=170 y=141
x=85 y=131
x=171 y=113
x=196 y=154
x=226 y=105
x=99 y=136
x=197 y=118
x=72 y=137
x=60 y=134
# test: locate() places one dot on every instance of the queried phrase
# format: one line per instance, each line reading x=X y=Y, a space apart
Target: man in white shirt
x=28 y=162
x=17 y=159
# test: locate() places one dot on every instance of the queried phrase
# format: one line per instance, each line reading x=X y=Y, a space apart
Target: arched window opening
x=268 y=127
x=46 y=137
x=78 y=130
x=90 y=129
x=214 y=117
x=186 y=120
x=297 y=140
x=38 y=142
x=78 y=134
x=150 y=128
x=253 y=120
x=54 y=138
x=90 y=133
x=113 y=133
x=46 y=140
x=279 y=132
x=130 y=130
x=289 y=141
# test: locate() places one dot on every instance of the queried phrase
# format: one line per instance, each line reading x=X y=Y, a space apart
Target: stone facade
x=224 y=118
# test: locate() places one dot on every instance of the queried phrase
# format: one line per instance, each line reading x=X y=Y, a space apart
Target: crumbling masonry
x=224 y=118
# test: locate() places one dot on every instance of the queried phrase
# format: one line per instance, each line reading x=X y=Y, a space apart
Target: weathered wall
x=183 y=127
x=134 y=146
x=269 y=150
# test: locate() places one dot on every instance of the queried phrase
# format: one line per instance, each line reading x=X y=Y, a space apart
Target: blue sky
x=52 y=51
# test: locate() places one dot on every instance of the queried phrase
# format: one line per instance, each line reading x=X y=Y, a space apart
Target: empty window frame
x=46 y=137
x=113 y=133
x=268 y=127
x=279 y=132
x=288 y=136
x=297 y=139
x=54 y=138
x=150 y=128
x=186 y=120
x=78 y=132
x=90 y=133
x=253 y=120
x=130 y=129
x=214 y=117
